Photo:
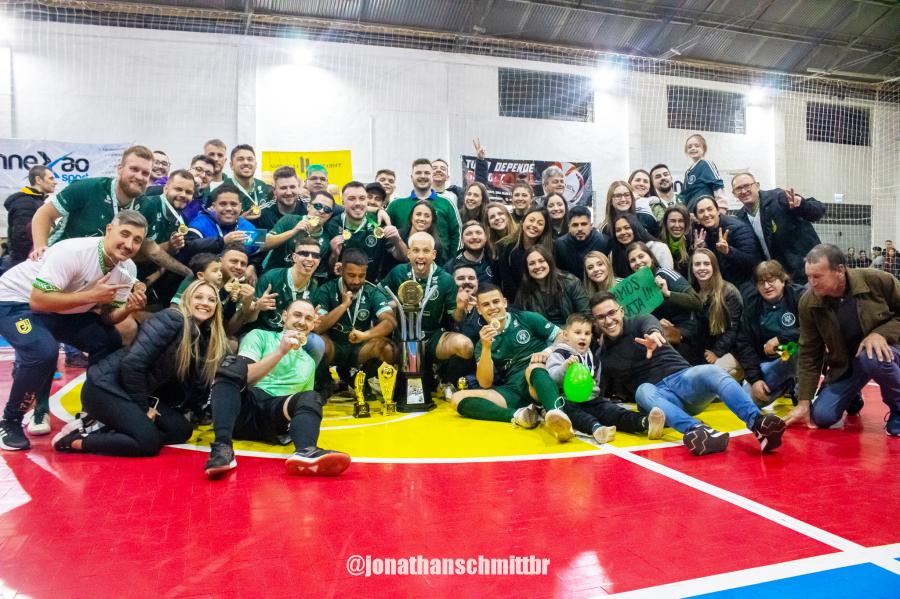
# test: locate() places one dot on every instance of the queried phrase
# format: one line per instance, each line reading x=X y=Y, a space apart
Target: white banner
x=69 y=161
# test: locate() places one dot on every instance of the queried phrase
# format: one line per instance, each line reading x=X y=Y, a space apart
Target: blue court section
x=863 y=580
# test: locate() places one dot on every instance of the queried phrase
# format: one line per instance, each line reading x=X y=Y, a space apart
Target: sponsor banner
x=503 y=173
x=338 y=163
x=69 y=161
x=638 y=293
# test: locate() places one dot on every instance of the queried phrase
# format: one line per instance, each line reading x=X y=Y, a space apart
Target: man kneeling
x=265 y=393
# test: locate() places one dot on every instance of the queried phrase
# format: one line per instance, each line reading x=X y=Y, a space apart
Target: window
x=699 y=109
x=542 y=95
x=837 y=124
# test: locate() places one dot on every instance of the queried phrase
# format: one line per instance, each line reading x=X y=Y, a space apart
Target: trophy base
x=414 y=396
x=361 y=410
x=388 y=407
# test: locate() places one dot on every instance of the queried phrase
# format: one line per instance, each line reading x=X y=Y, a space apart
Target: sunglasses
x=322 y=208
x=308 y=254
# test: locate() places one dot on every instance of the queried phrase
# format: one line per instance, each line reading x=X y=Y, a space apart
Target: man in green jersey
x=447 y=225
x=265 y=393
x=280 y=238
x=511 y=346
x=255 y=194
x=287 y=198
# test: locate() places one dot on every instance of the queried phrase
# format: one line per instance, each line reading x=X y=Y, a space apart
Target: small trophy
x=360 y=408
x=387 y=378
x=462 y=384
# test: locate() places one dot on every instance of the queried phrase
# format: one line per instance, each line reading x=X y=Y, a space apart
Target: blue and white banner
x=69 y=161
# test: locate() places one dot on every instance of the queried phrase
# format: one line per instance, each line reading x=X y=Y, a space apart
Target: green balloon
x=578 y=385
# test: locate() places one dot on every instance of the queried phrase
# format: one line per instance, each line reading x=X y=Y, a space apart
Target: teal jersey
x=87 y=206
x=702 y=178
x=161 y=217
x=362 y=237
x=524 y=333
x=259 y=194
x=295 y=371
x=441 y=301
x=282 y=283
x=363 y=313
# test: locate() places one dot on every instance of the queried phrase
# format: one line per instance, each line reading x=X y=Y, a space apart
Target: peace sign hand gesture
x=794 y=199
x=722 y=244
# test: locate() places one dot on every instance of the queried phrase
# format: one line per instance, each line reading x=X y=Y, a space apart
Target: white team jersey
x=68 y=266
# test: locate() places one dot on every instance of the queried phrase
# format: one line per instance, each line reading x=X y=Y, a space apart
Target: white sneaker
x=604 y=434
x=40 y=426
x=656 y=422
x=559 y=424
x=527 y=417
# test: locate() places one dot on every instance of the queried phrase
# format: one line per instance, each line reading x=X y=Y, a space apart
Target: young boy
x=206 y=267
x=597 y=417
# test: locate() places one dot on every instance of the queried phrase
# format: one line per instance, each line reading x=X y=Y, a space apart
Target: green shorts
x=515 y=390
x=346 y=354
x=430 y=342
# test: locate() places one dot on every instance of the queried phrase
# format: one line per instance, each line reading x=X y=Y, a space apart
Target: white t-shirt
x=67 y=266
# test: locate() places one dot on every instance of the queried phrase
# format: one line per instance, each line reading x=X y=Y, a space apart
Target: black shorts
x=262 y=417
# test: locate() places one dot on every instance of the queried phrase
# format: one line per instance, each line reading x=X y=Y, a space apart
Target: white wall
x=388 y=106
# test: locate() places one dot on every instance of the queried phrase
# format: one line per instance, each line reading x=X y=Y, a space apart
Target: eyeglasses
x=608 y=316
x=743 y=188
x=308 y=254
x=621 y=196
x=322 y=208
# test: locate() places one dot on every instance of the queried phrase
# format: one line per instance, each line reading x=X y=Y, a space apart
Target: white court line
x=751 y=576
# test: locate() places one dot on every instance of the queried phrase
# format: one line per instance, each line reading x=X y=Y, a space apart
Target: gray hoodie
x=556 y=364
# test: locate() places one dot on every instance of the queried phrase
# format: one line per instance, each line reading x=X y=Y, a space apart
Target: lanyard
x=290 y=283
x=252 y=198
x=358 y=300
x=168 y=208
x=115 y=200
x=428 y=283
x=344 y=226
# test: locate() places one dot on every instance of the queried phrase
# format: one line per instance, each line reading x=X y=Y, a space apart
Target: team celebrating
x=201 y=298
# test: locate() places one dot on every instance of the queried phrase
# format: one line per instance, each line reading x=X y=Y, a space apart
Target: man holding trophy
x=265 y=393
x=356 y=321
x=426 y=297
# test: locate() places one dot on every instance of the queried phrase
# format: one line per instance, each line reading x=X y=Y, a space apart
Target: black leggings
x=128 y=431
x=584 y=415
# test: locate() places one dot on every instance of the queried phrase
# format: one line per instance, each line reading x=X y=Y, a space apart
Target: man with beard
x=731 y=241
x=202 y=168
x=467 y=281
x=474 y=240
x=355 y=228
x=255 y=195
x=279 y=240
x=447 y=225
x=159 y=172
x=782 y=221
x=85 y=207
x=661 y=188
x=215 y=150
x=581 y=239
x=265 y=393
x=76 y=294
x=356 y=319
x=287 y=198
x=439 y=307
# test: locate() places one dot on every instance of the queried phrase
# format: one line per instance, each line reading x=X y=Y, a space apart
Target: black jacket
x=570 y=252
x=724 y=343
x=749 y=343
x=789 y=234
x=20 y=208
x=484 y=268
x=743 y=254
x=572 y=299
x=135 y=373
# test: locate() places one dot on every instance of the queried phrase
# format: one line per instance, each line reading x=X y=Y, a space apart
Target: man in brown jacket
x=850 y=323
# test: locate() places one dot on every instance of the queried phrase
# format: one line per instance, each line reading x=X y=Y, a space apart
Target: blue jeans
x=35 y=337
x=315 y=347
x=689 y=391
x=777 y=374
x=833 y=399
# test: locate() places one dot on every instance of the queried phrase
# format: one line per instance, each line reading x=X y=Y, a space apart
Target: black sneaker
x=892 y=424
x=12 y=437
x=768 y=429
x=856 y=406
x=77 y=361
x=63 y=440
x=702 y=440
x=315 y=461
x=221 y=459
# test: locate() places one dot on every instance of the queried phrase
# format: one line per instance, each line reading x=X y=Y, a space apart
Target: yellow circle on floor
x=440 y=434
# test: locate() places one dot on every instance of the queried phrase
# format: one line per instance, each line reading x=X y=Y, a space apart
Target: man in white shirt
x=45 y=302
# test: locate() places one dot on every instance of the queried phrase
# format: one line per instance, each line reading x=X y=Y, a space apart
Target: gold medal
x=378 y=232
x=182 y=229
x=233 y=287
x=347 y=234
x=313 y=221
x=255 y=210
x=301 y=339
x=139 y=287
x=496 y=324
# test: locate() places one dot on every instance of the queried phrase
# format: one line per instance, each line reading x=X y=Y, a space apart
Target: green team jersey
x=361 y=237
x=524 y=333
x=259 y=194
x=283 y=255
x=294 y=372
x=447 y=225
x=362 y=314
x=282 y=283
x=271 y=215
x=441 y=301
x=87 y=206
x=160 y=215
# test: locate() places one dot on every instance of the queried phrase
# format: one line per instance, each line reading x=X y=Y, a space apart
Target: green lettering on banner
x=638 y=293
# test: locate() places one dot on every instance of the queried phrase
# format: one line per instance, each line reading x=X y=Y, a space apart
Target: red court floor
x=620 y=520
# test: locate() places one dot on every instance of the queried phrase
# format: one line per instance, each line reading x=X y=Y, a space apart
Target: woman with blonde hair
x=720 y=315
x=140 y=393
x=499 y=224
x=598 y=273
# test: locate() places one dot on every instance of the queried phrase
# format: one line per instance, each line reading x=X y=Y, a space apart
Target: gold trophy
x=461 y=384
x=387 y=378
x=360 y=408
x=412 y=392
